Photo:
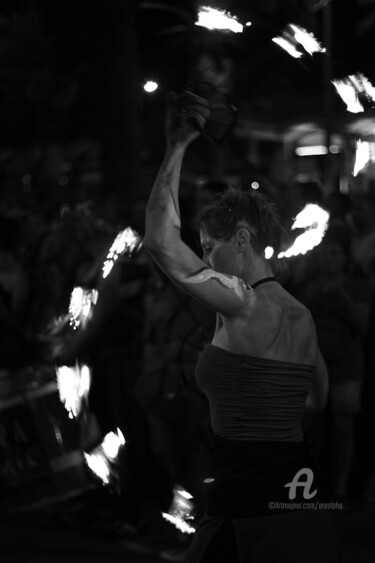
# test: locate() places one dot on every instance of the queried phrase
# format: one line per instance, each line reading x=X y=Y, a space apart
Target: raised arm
x=163 y=222
x=225 y=294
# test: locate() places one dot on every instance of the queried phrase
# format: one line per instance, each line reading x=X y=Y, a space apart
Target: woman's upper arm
x=223 y=293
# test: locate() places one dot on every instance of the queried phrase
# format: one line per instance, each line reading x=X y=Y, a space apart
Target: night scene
x=187 y=281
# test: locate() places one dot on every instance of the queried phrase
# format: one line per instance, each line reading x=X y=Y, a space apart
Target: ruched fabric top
x=253 y=398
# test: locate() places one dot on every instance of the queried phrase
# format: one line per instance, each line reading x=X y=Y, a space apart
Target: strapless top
x=253 y=398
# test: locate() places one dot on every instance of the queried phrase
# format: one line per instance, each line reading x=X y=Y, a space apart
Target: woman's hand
x=186 y=117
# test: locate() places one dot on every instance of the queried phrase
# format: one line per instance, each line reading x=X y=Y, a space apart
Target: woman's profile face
x=217 y=254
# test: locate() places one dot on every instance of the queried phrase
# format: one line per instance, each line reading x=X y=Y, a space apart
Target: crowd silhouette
x=146 y=336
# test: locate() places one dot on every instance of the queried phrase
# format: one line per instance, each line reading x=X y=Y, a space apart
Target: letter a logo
x=306 y=484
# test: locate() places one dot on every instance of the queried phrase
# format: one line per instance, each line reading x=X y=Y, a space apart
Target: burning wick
x=126 y=241
x=353 y=86
x=349 y=95
x=294 y=37
x=102 y=458
x=315 y=220
x=306 y=39
x=180 y=512
x=221 y=20
x=287 y=46
x=365 y=153
x=73 y=384
x=81 y=305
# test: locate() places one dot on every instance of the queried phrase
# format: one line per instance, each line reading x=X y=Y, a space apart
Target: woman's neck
x=257 y=273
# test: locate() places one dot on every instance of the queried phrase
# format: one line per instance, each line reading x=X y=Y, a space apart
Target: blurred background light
x=150 y=86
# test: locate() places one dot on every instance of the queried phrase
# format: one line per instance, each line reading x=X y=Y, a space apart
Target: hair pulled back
x=235 y=207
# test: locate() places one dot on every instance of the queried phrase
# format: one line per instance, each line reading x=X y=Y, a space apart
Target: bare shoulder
x=298 y=328
x=283 y=327
x=279 y=304
x=296 y=308
x=277 y=326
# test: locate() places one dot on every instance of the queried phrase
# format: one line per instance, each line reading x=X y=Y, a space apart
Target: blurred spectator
x=13 y=281
x=363 y=219
x=364 y=482
x=338 y=206
x=14 y=295
x=74 y=240
x=111 y=345
x=338 y=304
x=176 y=330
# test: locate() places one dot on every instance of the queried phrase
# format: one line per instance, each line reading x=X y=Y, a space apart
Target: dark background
x=72 y=74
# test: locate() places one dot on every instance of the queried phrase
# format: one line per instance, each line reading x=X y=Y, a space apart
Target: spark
x=314 y=219
x=180 y=512
x=73 y=384
x=268 y=252
x=214 y=19
x=82 y=302
x=102 y=458
x=126 y=241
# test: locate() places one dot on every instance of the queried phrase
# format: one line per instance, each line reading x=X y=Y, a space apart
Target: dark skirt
x=255 y=513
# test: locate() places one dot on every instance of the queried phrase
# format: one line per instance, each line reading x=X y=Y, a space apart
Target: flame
x=288 y=47
x=57 y=324
x=112 y=443
x=101 y=459
x=353 y=86
x=180 y=512
x=363 y=85
x=306 y=39
x=348 y=94
x=365 y=153
x=214 y=19
x=74 y=385
x=315 y=220
x=81 y=305
x=293 y=37
x=126 y=241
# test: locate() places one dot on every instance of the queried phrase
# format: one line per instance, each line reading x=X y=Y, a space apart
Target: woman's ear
x=242 y=238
